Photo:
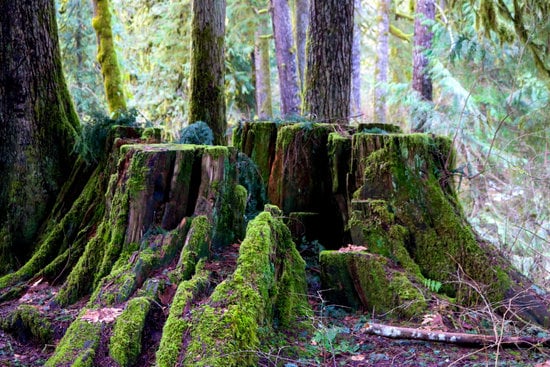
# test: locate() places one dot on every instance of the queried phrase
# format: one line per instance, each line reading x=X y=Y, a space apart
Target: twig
x=398 y=332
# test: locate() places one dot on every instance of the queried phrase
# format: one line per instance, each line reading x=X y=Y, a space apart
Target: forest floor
x=338 y=338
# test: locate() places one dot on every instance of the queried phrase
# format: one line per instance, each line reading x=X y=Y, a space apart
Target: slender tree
x=37 y=125
x=107 y=58
x=422 y=81
x=328 y=74
x=207 y=99
x=382 y=61
x=301 y=25
x=355 y=99
x=264 y=103
x=285 y=51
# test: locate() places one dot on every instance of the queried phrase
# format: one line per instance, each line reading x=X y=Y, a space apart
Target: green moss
x=26 y=322
x=365 y=280
x=125 y=343
x=196 y=247
x=170 y=349
x=243 y=308
x=78 y=346
x=107 y=58
x=410 y=174
x=339 y=150
x=407 y=297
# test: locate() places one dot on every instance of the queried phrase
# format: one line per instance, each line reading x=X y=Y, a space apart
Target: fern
x=197 y=133
x=433 y=285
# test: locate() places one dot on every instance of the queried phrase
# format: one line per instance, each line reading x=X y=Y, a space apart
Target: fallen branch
x=397 y=332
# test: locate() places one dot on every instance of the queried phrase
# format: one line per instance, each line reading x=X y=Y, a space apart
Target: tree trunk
x=382 y=61
x=107 y=58
x=301 y=24
x=328 y=75
x=207 y=97
x=355 y=99
x=37 y=125
x=285 y=51
x=422 y=81
x=264 y=103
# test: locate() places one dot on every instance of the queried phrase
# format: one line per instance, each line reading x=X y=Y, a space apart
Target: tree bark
x=422 y=81
x=285 y=50
x=107 y=58
x=301 y=24
x=37 y=125
x=207 y=98
x=355 y=99
x=382 y=62
x=264 y=103
x=328 y=75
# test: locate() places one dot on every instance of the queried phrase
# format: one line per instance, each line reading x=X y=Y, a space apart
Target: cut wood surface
x=398 y=332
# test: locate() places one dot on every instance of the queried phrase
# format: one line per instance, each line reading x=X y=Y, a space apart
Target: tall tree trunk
x=301 y=24
x=107 y=58
x=328 y=75
x=207 y=99
x=285 y=51
x=37 y=125
x=382 y=61
x=264 y=103
x=422 y=81
x=355 y=99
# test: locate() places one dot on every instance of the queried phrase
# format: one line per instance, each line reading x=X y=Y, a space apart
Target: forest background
x=491 y=91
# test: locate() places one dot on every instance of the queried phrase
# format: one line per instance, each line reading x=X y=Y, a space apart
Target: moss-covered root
x=170 y=350
x=79 y=345
x=362 y=279
x=125 y=343
x=269 y=284
x=196 y=247
x=26 y=323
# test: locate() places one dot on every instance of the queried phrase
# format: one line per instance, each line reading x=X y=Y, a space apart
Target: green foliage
x=196 y=133
x=432 y=285
x=90 y=145
x=78 y=49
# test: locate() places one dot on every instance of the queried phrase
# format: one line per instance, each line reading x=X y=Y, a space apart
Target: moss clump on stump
x=125 y=343
x=404 y=199
x=26 y=323
x=366 y=280
x=267 y=288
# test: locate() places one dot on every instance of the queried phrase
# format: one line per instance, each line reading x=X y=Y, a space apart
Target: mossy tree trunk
x=328 y=75
x=264 y=105
x=285 y=50
x=207 y=97
x=422 y=81
x=38 y=125
x=355 y=98
x=107 y=58
x=301 y=25
x=382 y=61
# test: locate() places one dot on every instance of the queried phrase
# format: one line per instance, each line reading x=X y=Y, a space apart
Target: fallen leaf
x=352 y=248
x=107 y=314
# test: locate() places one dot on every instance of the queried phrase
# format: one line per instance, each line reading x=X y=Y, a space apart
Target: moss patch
x=125 y=343
x=78 y=347
x=170 y=350
x=26 y=323
x=268 y=284
x=366 y=280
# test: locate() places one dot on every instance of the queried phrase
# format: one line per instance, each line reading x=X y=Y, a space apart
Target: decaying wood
x=398 y=332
